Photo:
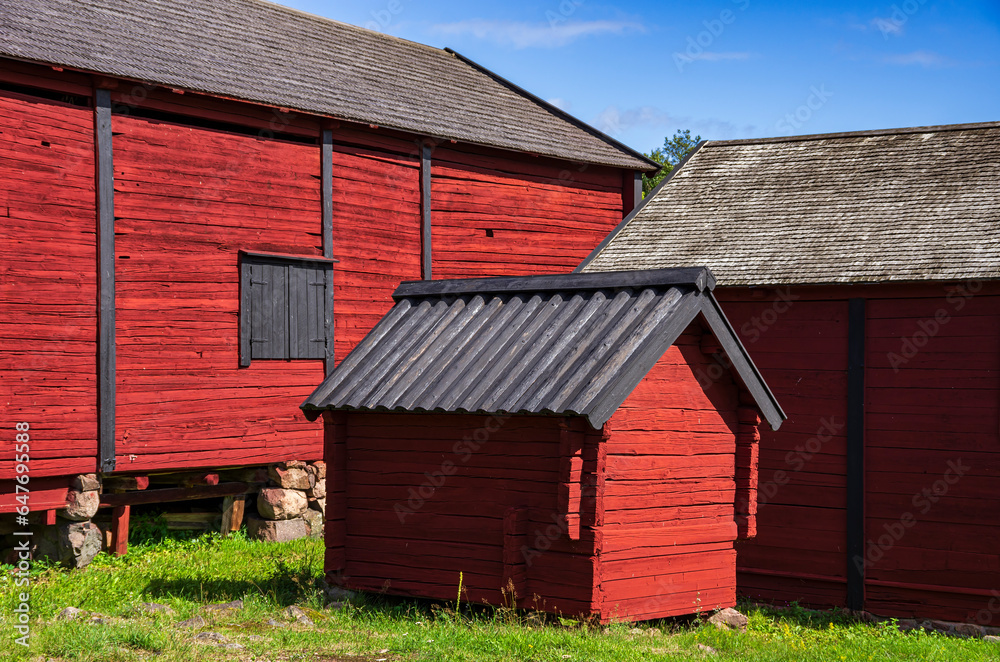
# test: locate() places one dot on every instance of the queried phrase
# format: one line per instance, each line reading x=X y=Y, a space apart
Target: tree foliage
x=674 y=149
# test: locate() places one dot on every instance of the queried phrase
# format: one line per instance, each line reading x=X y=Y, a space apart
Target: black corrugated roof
x=263 y=52
x=563 y=344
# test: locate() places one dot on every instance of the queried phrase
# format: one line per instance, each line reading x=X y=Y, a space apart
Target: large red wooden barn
x=186 y=189
x=548 y=437
x=861 y=271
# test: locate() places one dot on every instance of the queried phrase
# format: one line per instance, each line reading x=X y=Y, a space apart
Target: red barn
x=186 y=189
x=862 y=271
x=556 y=439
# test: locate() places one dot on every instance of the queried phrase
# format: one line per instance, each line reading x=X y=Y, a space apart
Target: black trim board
x=326 y=182
x=106 y=281
x=426 y=252
x=632 y=214
x=559 y=112
x=700 y=278
x=855 y=455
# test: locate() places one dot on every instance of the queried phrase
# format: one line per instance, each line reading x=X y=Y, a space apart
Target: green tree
x=674 y=149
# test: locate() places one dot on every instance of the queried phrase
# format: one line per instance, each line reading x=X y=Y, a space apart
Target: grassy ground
x=187 y=575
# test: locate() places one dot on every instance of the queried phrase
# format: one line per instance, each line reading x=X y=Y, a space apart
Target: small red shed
x=568 y=443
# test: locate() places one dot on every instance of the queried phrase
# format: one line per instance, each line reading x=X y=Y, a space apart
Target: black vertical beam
x=856 y=454
x=106 y=281
x=326 y=182
x=637 y=189
x=425 y=209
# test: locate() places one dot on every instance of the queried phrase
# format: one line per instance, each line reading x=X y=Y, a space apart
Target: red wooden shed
x=862 y=270
x=154 y=155
x=556 y=439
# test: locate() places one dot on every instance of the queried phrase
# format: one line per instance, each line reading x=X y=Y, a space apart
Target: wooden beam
x=232 y=513
x=105 y=186
x=326 y=194
x=119 y=530
x=174 y=494
x=856 y=454
x=425 y=211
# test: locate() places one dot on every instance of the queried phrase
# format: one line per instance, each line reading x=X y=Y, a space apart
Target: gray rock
x=319 y=504
x=224 y=606
x=233 y=646
x=276 y=624
x=209 y=638
x=314 y=522
x=729 y=618
x=339 y=594
x=968 y=630
x=79 y=543
x=320 y=467
x=86 y=483
x=276 y=503
x=707 y=650
x=290 y=477
x=300 y=616
x=81 y=506
x=154 y=608
x=635 y=631
x=69 y=614
x=276 y=530
x=992 y=637
x=942 y=626
x=193 y=623
x=907 y=624
x=318 y=491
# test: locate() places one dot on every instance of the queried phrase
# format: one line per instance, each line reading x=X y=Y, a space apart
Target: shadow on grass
x=290 y=585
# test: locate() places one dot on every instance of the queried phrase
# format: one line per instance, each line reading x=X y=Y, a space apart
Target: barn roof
x=263 y=52
x=898 y=205
x=565 y=344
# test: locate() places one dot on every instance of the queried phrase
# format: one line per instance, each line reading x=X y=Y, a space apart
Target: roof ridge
x=935 y=128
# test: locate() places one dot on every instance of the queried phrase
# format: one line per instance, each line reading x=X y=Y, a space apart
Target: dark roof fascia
x=700 y=278
x=555 y=110
x=741 y=361
x=940 y=128
x=638 y=208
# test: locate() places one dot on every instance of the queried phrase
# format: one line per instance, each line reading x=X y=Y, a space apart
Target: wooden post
x=119 y=530
x=232 y=513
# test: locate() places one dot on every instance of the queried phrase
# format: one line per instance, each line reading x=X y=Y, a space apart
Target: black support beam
x=326 y=182
x=856 y=454
x=106 y=281
x=425 y=210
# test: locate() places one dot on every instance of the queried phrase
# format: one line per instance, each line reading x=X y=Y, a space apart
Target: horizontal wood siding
x=376 y=234
x=669 y=518
x=932 y=422
x=496 y=216
x=932 y=397
x=427 y=497
x=187 y=200
x=801 y=349
x=48 y=285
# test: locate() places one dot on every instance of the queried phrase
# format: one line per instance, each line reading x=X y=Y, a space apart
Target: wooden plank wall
x=802 y=353
x=514 y=215
x=925 y=407
x=48 y=284
x=187 y=199
x=669 y=520
x=424 y=502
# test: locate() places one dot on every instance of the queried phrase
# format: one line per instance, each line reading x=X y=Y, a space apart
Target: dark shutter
x=307 y=311
x=269 y=311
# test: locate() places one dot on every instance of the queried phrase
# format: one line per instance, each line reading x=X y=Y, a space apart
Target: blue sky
x=724 y=69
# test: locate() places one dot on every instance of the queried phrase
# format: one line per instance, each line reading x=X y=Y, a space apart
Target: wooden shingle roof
x=262 y=52
x=877 y=206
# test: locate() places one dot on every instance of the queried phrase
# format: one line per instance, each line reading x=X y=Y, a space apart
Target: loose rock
x=276 y=624
x=69 y=614
x=209 y=638
x=154 y=608
x=224 y=606
x=318 y=491
x=730 y=618
x=294 y=478
x=81 y=506
x=276 y=530
x=276 y=503
x=86 y=483
x=707 y=650
x=300 y=616
x=320 y=466
x=79 y=543
x=992 y=637
x=193 y=623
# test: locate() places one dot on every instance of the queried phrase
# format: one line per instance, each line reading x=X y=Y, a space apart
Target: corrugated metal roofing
x=880 y=206
x=567 y=344
x=258 y=51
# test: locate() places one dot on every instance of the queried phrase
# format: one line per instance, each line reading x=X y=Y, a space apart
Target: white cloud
x=535 y=35
x=613 y=120
x=919 y=58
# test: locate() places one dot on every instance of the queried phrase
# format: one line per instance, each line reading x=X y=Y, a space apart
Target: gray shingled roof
x=566 y=344
x=902 y=205
x=262 y=52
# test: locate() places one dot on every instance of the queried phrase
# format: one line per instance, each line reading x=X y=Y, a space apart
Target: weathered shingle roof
x=566 y=344
x=903 y=205
x=266 y=53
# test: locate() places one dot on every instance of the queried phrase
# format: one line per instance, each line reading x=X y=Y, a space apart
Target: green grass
x=186 y=575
